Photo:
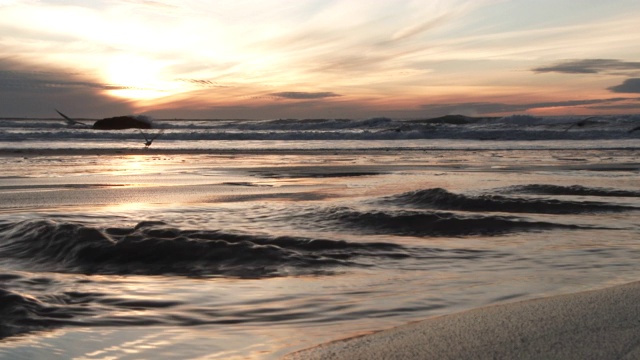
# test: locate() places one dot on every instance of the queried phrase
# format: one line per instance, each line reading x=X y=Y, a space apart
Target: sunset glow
x=352 y=58
x=138 y=79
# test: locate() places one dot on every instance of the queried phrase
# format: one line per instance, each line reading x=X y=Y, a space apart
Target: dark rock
x=122 y=122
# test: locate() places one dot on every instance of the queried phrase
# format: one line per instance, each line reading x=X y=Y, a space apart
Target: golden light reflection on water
x=127 y=208
x=132 y=164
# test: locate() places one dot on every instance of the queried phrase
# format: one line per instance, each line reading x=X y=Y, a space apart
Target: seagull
x=580 y=123
x=149 y=141
x=70 y=121
x=634 y=129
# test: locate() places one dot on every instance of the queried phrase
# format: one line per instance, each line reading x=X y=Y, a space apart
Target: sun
x=138 y=78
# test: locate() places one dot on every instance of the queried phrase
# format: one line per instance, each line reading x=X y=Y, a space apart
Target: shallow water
x=257 y=254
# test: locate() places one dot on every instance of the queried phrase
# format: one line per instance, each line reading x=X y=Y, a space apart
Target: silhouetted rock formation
x=121 y=122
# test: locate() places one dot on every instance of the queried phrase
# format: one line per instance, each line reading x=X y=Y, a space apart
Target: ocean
x=251 y=239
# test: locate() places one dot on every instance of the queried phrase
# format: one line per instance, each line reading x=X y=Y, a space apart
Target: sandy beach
x=599 y=324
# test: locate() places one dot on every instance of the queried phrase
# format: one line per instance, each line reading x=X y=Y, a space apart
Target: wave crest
x=442 y=199
x=153 y=248
x=22 y=313
x=427 y=223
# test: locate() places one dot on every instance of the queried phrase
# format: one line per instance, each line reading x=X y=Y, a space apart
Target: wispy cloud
x=297 y=95
x=590 y=66
x=387 y=56
x=41 y=90
x=204 y=83
x=419 y=28
x=39 y=80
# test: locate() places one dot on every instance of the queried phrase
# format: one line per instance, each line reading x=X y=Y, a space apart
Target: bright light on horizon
x=137 y=78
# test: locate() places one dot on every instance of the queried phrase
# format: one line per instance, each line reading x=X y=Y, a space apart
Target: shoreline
x=594 y=324
x=230 y=151
x=13 y=152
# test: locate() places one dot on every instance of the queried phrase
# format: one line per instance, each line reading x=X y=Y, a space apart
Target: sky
x=256 y=59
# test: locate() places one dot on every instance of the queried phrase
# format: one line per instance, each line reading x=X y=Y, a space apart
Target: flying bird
x=634 y=129
x=149 y=141
x=580 y=123
x=70 y=121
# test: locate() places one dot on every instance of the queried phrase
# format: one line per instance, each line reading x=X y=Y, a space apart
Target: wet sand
x=600 y=324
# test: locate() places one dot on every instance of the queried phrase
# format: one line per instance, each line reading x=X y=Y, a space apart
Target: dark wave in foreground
x=31 y=301
x=435 y=223
x=442 y=199
x=154 y=248
x=21 y=313
x=576 y=190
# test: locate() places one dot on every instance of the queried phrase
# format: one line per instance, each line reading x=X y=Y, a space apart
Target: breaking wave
x=442 y=199
x=154 y=248
x=22 y=313
x=31 y=300
x=435 y=224
x=514 y=127
x=16 y=309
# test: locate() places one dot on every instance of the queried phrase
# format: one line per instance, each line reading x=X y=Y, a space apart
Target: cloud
x=472 y=108
x=420 y=28
x=203 y=83
x=631 y=107
x=628 y=86
x=590 y=66
x=25 y=83
x=36 y=91
x=42 y=80
x=304 y=95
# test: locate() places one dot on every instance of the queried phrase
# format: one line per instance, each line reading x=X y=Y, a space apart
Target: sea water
x=251 y=239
